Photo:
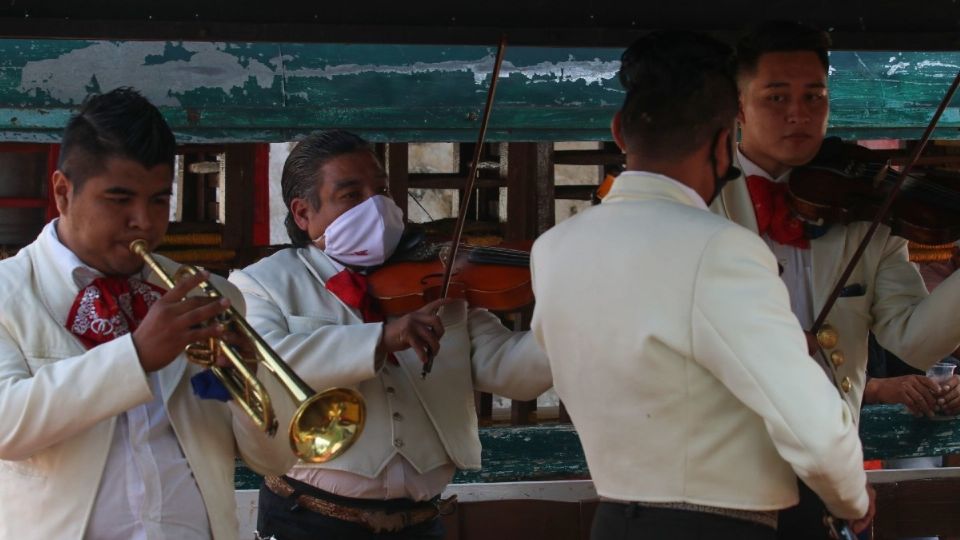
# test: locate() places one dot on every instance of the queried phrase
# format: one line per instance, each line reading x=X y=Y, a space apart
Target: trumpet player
x=100 y=434
x=309 y=303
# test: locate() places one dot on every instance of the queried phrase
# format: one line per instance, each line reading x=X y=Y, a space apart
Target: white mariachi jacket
x=59 y=403
x=429 y=422
x=674 y=349
x=918 y=327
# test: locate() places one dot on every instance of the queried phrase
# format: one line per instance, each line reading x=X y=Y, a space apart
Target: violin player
x=674 y=373
x=310 y=303
x=783 y=111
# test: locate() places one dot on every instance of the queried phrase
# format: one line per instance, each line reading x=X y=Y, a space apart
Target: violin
x=495 y=278
x=849 y=183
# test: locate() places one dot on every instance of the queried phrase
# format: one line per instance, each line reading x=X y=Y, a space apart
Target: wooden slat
x=398 y=158
x=449 y=181
x=587 y=157
x=575 y=192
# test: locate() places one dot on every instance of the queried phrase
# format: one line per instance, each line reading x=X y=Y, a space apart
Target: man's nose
x=139 y=217
x=798 y=111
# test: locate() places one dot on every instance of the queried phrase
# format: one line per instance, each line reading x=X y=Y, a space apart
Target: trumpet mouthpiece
x=139 y=246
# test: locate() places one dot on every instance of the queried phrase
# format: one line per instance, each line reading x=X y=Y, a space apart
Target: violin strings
x=916 y=185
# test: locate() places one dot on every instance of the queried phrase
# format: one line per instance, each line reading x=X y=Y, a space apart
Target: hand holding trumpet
x=175 y=321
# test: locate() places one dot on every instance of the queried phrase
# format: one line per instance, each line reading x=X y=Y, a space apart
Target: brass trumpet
x=324 y=425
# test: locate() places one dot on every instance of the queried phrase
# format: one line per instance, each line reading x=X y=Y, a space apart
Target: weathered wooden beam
x=263 y=92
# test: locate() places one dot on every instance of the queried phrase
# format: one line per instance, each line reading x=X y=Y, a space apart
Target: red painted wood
x=22 y=202
x=53 y=156
x=261 y=195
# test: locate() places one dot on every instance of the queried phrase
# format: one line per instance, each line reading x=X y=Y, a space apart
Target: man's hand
x=241 y=345
x=420 y=330
x=174 y=322
x=949 y=398
x=861 y=524
x=917 y=392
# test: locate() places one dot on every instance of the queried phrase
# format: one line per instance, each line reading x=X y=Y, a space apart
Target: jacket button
x=390 y=390
x=837 y=358
x=397 y=416
x=828 y=337
x=398 y=443
x=845 y=384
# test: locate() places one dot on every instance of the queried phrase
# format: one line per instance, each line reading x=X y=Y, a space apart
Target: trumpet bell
x=327 y=424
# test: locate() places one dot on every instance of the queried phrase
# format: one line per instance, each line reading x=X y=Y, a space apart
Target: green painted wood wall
x=223 y=92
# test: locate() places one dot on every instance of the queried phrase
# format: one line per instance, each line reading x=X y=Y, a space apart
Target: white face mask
x=365 y=235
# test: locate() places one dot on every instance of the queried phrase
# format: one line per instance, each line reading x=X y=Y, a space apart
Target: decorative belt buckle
x=380 y=522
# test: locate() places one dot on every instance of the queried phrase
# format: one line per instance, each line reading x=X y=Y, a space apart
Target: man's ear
x=299 y=208
x=740 y=111
x=615 y=130
x=62 y=191
x=722 y=147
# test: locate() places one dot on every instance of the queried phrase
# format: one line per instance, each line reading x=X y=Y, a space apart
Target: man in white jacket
x=670 y=336
x=310 y=303
x=101 y=436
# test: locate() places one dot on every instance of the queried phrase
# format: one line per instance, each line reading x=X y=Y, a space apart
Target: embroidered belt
x=376 y=521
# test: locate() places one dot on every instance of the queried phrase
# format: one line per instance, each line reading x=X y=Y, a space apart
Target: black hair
x=781 y=36
x=118 y=124
x=301 y=172
x=681 y=92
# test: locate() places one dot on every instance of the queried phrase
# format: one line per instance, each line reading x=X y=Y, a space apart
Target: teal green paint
x=553 y=451
x=274 y=92
x=171 y=53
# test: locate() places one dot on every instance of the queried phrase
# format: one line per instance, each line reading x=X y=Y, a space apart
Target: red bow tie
x=110 y=307
x=351 y=288
x=774 y=216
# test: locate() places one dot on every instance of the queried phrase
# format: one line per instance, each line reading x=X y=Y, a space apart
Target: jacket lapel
x=322 y=269
x=736 y=204
x=828 y=256
x=57 y=291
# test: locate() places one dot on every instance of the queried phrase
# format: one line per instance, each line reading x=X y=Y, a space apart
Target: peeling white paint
x=571 y=70
x=113 y=64
x=934 y=63
x=899 y=67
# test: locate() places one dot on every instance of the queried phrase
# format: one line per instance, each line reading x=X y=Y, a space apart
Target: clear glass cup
x=941 y=372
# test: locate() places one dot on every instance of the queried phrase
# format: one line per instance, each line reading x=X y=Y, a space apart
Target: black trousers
x=616 y=521
x=280 y=518
x=805 y=520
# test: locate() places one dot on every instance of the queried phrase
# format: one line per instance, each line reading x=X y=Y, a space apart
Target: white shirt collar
x=694 y=196
x=750 y=168
x=67 y=262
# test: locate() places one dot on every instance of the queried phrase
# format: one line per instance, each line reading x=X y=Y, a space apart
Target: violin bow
x=471 y=183
x=885 y=208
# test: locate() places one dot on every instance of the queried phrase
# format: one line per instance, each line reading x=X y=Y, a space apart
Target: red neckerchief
x=110 y=307
x=351 y=288
x=774 y=216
